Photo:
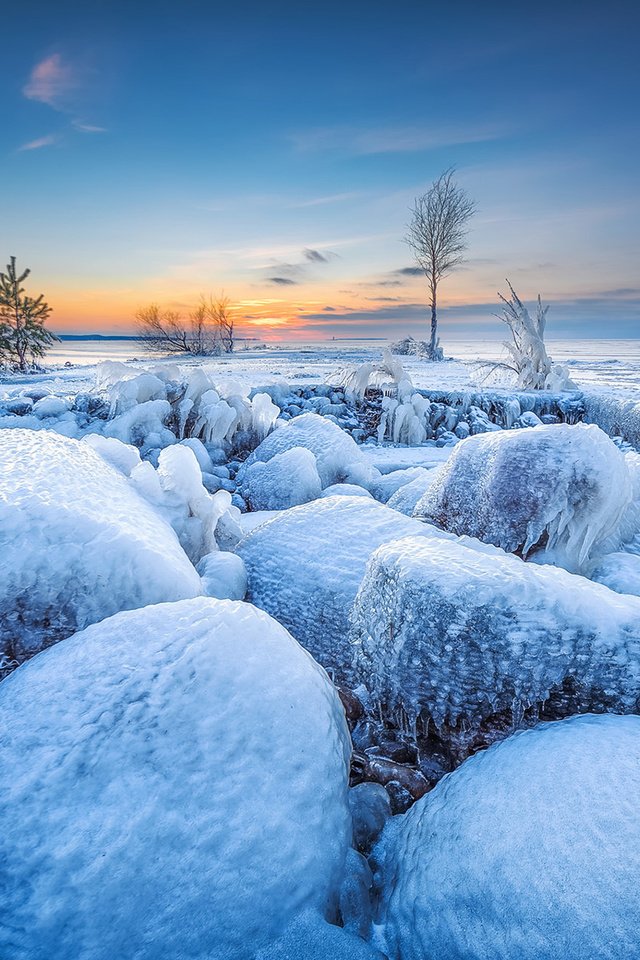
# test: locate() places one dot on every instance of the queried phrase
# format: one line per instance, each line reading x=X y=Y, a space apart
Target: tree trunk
x=434 y=322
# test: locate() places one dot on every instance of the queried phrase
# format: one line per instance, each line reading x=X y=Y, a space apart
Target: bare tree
x=437 y=234
x=162 y=330
x=23 y=335
x=207 y=331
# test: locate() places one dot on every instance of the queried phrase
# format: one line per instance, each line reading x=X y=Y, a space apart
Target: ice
x=77 y=544
x=387 y=375
x=286 y=480
x=384 y=488
x=50 y=407
x=123 y=456
x=620 y=572
x=224 y=575
x=530 y=849
x=370 y=809
x=305 y=565
x=345 y=490
x=460 y=632
x=559 y=488
x=407 y=496
x=177 y=492
x=309 y=937
x=174 y=785
x=143 y=425
x=338 y=456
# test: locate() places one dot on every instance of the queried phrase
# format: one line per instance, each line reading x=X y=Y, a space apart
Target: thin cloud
x=409 y=271
x=87 y=127
x=48 y=141
x=322 y=201
x=282 y=281
x=407 y=139
x=51 y=81
x=315 y=256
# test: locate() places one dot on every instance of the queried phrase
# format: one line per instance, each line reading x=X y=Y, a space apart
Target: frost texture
x=462 y=632
x=338 y=456
x=77 y=544
x=305 y=566
x=286 y=480
x=174 y=785
x=530 y=849
x=560 y=488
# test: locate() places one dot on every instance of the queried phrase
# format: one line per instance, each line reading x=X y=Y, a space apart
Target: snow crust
x=338 y=456
x=305 y=566
x=286 y=480
x=77 y=544
x=463 y=631
x=174 y=785
x=530 y=849
x=562 y=488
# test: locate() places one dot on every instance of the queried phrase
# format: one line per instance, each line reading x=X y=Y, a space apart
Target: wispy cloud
x=87 y=127
x=392 y=139
x=49 y=141
x=282 y=281
x=316 y=256
x=51 y=81
x=322 y=201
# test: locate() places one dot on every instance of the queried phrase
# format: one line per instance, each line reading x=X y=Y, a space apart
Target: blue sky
x=273 y=150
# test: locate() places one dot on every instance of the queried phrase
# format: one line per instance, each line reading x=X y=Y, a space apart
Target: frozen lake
x=610 y=365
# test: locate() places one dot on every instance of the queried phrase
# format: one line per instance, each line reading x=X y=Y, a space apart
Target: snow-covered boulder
x=224 y=575
x=286 y=480
x=305 y=566
x=174 y=785
x=620 y=572
x=558 y=488
x=338 y=456
x=384 y=488
x=346 y=490
x=77 y=544
x=530 y=849
x=407 y=496
x=462 y=632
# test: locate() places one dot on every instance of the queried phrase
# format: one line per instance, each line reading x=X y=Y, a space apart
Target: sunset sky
x=154 y=151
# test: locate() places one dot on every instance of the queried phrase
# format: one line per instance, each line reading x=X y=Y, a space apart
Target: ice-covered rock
x=224 y=575
x=530 y=849
x=560 y=488
x=143 y=425
x=460 y=633
x=174 y=785
x=309 y=937
x=370 y=809
x=286 y=480
x=123 y=456
x=338 y=456
x=305 y=565
x=407 y=496
x=619 y=571
x=384 y=488
x=77 y=544
x=345 y=490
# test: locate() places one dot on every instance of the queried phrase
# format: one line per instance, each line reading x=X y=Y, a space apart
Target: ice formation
x=309 y=937
x=286 y=480
x=530 y=849
x=346 y=490
x=384 y=488
x=305 y=565
x=407 y=496
x=619 y=571
x=174 y=785
x=560 y=488
x=460 y=632
x=77 y=544
x=223 y=575
x=338 y=456
x=388 y=375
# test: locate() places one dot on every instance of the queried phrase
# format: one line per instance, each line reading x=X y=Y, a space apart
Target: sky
x=154 y=152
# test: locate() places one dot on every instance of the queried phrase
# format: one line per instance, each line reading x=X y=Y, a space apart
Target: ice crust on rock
x=461 y=631
x=174 y=784
x=223 y=575
x=286 y=480
x=562 y=488
x=407 y=496
x=530 y=849
x=305 y=566
x=309 y=937
x=77 y=544
x=620 y=572
x=338 y=456
x=345 y=490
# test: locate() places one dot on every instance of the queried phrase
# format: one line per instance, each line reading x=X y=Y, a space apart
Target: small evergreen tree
x=23 y=335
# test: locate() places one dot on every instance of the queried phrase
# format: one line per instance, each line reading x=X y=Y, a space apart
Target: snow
x=77 y=544
x=559 y=488
x=345 y=490
x=338 y=456
x=224 y=575
x=286 y=480
x=407 y=496
x=461 y=631
x=530 y=850
x=174 y=784
x=620 y=572
x=310 y=938
x=384 y=488
x=305 y=565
